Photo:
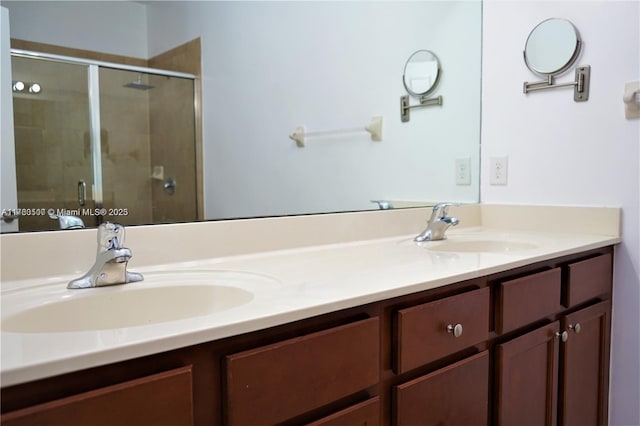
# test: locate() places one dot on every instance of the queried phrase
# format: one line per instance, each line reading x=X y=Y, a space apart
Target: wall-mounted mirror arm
x=424 y=102
x=422 y=73
x=581 y=84
x=552 y=48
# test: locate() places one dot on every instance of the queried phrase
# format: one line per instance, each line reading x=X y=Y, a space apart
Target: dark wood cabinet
x=559 y=373
x=526 y=299
x=488 y=351
x=366 y=413
x=456 y=395
x=270 y=384
x=589 y=279
x=433 y=330
x=160 y=399
x=585 y=365
x=527 y=381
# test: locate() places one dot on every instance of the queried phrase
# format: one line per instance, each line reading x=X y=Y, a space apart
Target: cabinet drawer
x=589 y=279
x=273 y=383
x=456 y=395
x=160 y=399
x=366 y=413
x=422 y=331
x=527 y=299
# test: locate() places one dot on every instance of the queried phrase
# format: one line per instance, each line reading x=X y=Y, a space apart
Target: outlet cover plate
x=463 y=171
x=498 y=168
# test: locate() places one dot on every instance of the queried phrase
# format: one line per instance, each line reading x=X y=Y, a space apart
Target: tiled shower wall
x=126 y=148
x=50 y=153
x=173 y=131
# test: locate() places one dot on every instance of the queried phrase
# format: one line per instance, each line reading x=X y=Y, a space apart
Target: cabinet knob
x=456 y=330
x=564 y=336
x=575 y=327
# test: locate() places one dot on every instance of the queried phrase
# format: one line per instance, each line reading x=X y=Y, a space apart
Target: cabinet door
x=456 y=395
x=585 y=366
x=527 y=381
x=160 y=399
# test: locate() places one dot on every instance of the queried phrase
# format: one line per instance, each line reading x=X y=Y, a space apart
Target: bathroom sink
x=161 y=297
x=481 y=246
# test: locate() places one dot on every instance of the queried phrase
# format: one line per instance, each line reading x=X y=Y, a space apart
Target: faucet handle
x=440 y=210
x=110 y=236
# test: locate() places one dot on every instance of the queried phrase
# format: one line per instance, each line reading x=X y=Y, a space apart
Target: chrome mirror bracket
x=581 y=84
x=424 y=102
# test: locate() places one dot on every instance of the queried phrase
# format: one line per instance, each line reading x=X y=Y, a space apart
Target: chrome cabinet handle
x=456 y=330
x=575 y=327
x=564 y=336
x=82 y=192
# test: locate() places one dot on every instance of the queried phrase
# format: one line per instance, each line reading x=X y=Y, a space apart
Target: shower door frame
x=93 y=77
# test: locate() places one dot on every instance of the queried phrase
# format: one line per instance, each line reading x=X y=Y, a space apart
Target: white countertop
x=305 y=282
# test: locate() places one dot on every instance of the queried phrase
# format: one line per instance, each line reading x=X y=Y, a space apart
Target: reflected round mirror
x=421 y=73
x=552 y=47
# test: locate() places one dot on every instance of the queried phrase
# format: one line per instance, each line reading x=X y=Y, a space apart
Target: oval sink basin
x=483 y=246
x=161 y=297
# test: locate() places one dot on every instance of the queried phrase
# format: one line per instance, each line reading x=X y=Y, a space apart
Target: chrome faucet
x=110 y=267
x=438 y=224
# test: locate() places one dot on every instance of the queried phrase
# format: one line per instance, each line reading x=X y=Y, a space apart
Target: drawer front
x=160 y=399
x=528 y=299
x=366 y=413
x=589 y=279
x=422 y=331
x=456 y=395
x=273 y=383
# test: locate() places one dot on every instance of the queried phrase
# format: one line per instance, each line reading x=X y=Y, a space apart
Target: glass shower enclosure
x=102 y=142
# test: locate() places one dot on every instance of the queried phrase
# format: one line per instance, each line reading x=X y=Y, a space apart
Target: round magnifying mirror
x=552 y=47
x=421 y=73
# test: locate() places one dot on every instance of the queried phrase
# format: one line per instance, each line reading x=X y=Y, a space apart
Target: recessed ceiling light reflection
x=18 y=86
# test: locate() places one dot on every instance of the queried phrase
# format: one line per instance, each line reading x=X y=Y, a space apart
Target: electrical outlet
x=463 y=171
x=498 y=167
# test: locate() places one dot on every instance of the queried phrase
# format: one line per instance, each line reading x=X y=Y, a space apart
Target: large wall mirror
x=264 y=68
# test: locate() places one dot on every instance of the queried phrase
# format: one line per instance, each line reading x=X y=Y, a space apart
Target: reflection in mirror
x=421 y=73
x=67 y=167
x=421 y=76
x=255 y=82
x=552 y=47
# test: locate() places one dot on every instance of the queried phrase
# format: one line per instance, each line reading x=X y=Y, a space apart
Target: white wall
x=116 y=27
x=563 y=152
x=269 y=67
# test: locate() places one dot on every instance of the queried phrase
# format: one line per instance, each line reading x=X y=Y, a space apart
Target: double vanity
x=323 y=320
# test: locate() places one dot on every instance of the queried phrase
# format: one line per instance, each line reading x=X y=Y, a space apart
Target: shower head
x=138 y=84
